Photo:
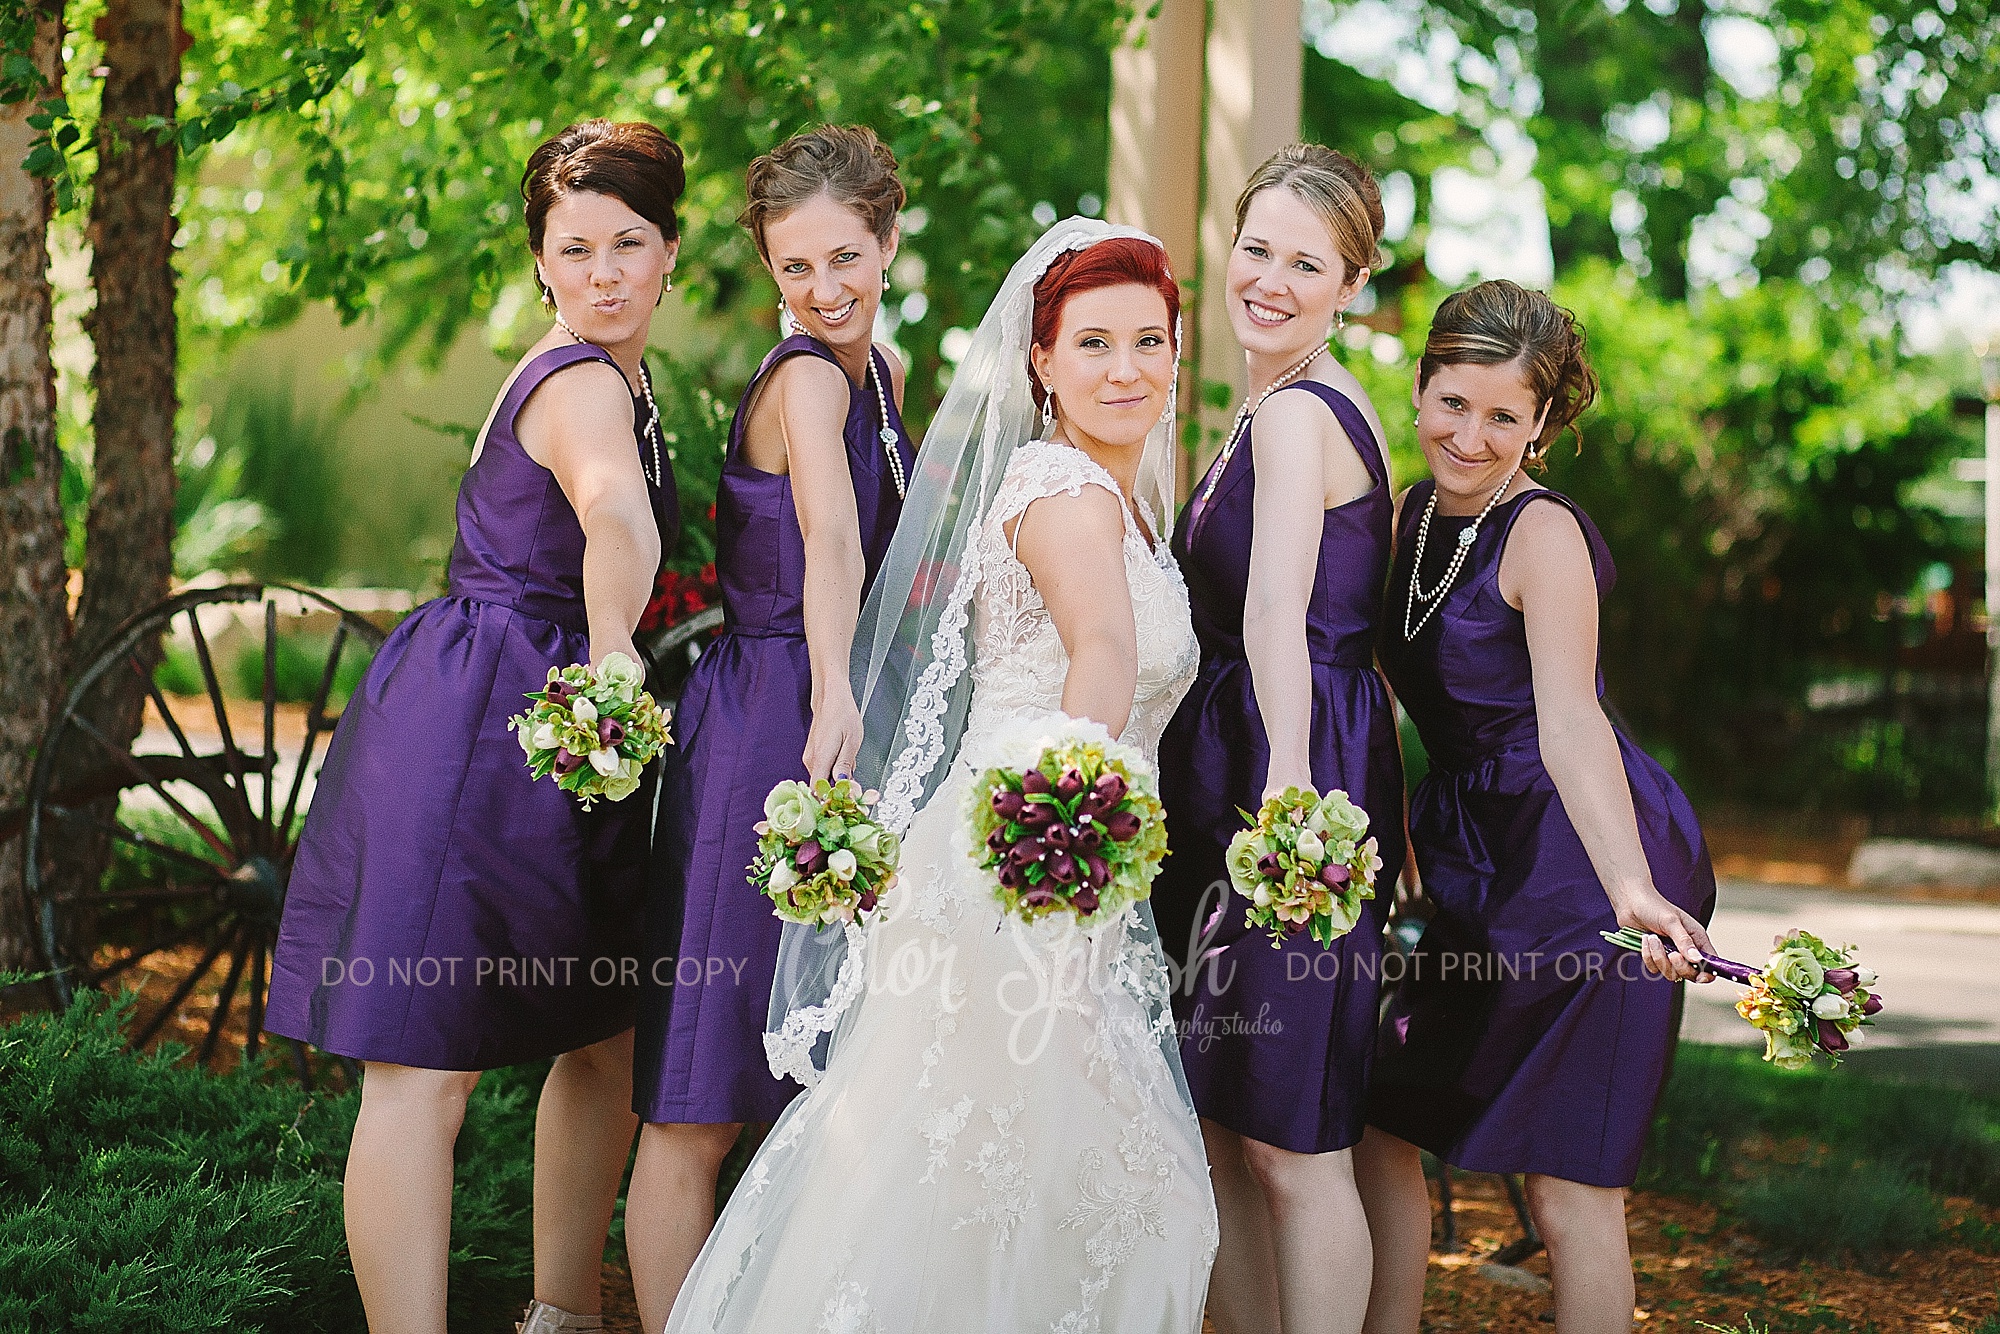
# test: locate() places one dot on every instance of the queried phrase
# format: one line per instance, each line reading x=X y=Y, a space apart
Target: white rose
x=620 y=787
x=605 y=760
x=527 y=737
x=622 y=675
x=865 y=839
x=842 y=864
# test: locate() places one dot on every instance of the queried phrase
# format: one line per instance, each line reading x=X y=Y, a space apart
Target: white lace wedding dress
x=998 y=1143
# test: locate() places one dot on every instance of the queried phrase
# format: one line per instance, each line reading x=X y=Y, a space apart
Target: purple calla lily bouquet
x=1079 y=829
x=1809 y=997
x=594 y=729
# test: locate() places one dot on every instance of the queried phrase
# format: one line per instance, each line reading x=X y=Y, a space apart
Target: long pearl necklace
x=1435 y=598
x=652 y=431
x=888 y=433
x=1242 y=422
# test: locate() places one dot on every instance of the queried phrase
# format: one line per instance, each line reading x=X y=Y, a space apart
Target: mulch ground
x=1690 y=1267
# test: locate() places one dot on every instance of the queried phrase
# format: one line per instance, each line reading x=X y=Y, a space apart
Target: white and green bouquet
x=821 y=857
x=1809 y=997
x=594 y=729
x=1306 y=863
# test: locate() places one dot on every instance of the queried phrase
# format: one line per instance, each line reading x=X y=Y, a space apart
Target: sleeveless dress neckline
x=445 y=910
x=1277 y=1042
x=711 y=941
x=1518 y=1041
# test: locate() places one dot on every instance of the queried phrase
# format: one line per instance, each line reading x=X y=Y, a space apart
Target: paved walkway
x=1938 y=964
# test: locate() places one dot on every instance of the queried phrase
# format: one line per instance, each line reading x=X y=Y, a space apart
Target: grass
x=1821 y=1164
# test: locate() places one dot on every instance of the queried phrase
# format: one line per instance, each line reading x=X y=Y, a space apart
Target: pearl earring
x=885 y=282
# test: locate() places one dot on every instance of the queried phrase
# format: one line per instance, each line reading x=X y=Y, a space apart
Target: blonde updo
x=1336 y=187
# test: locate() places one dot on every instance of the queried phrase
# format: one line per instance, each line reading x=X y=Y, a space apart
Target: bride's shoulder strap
x=1042 y=468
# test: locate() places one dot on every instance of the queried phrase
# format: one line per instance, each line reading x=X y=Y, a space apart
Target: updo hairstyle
x=1333 y=185
x=631 y=161
x=1113 y=262
x=845 y=162
x=1498 y=323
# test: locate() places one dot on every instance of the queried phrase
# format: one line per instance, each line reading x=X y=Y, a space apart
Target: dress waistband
x=564 y=614
x=1232 y=651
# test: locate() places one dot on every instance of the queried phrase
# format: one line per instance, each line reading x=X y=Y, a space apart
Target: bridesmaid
x=811 y=489
x=446 y=915
x=1519 y=1041
x=1286 y=584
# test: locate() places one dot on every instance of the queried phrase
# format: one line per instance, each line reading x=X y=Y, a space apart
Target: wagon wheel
x=199 y=816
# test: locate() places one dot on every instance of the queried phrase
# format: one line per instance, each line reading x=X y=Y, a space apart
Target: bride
x=996 y=1135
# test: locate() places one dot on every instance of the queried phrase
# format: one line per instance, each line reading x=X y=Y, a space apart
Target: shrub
x=140 y=1194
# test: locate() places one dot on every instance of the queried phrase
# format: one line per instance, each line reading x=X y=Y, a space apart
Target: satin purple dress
x=445 y=910
x=1519 y=1041
x=1277 y=1042
x=711 y=940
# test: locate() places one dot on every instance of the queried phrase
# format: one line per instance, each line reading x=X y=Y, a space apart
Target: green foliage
x=694 y=423
x=299 y=663
x=1863 y=1209
x=409 y=210
x=259 y=490
x=1877 y=1155
x=140 y=1194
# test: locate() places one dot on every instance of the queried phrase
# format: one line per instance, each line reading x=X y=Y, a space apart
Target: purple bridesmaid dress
x=711 y=939
x=1277 y=1042
x=1519 y=1041
x=445 y=910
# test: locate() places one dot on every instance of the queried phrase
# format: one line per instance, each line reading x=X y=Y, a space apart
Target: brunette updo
x=1112 y=262
x=631 y=161
x=1499 y=322
x=846 y=162
x=1333 y=185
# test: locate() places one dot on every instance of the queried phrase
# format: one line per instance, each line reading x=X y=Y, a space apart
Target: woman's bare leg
x=583 y=1136
x=1243 y=1286
x=1590 y=1261
x=398 y=1193
x=1324 y=1258
x=1389 y=1173
x=670 y=1209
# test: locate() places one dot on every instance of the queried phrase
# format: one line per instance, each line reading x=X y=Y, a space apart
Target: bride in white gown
x=996 y=1136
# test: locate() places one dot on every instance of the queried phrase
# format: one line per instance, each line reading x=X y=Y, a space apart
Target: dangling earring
x=548 y=297
x=1339 y=321
x=1048 y=410
x=788 y=323
x=885 y=280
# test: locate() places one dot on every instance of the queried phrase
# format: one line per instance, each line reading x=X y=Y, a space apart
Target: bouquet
x=593 y=728
x=1079 y=829
x=1305 y=862
x=820 y=858
x=1809 y=997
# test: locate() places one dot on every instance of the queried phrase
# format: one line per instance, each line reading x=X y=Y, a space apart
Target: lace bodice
x=1019 y=662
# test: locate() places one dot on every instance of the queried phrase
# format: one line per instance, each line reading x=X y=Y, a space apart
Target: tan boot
x=541 y=1318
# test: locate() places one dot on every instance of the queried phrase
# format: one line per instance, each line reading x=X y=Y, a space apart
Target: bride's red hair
x=1112 y=262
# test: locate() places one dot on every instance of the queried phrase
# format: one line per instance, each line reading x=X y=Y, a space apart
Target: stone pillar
x=1201 y=93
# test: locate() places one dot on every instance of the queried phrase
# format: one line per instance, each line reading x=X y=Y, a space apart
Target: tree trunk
x=34 y=611
x=128 y=541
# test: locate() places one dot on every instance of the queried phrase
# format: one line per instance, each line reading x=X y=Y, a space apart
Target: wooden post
x=1201 y=94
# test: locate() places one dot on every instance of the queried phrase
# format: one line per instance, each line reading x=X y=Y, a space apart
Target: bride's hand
x=834 y=739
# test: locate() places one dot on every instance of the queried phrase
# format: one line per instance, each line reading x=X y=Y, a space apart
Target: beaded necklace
x=652 y=431
x=1242 y=422
x=1435 y=598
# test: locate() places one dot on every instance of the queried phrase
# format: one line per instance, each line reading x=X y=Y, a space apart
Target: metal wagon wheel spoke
x=198 y=858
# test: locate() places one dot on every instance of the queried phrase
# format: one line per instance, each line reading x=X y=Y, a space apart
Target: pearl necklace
x=1242 y=422
x=652 y=432
x=888 y=433
x=1435 y=598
